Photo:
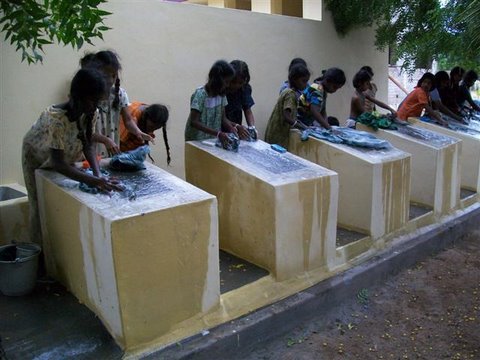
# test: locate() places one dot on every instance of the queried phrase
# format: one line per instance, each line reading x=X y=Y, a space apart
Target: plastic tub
x=18 y=268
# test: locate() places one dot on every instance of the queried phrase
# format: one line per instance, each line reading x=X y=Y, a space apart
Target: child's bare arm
x=430 y=111
x=110 y=145
x=249 y=117
x=132 y=126
x=317 y=114
x=288 y=118
x=59 y=164
x=381 y=104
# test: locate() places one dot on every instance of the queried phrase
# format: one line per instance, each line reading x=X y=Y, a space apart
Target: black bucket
x=18 y=268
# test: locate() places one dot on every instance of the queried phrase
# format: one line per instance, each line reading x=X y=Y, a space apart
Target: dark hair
x=219 y=71
x=86 y=84
x=427 y=76
x=368 y=69
x=470 y=75
x=333 y=75
x=297 y=71
x=440 y=77
x=101 y=60
x=241 y=70
x=296 y=61
x=361 y=77
x=457 y=70
x=158 y=115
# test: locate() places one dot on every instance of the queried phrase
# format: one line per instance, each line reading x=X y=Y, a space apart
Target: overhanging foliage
x=31 y=24
x=417 y=31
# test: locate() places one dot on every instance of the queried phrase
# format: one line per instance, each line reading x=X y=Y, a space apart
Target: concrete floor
x=51 y=324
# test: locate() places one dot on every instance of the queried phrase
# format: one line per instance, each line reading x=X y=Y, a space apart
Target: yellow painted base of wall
x=276 y=210
x=142 y=266
x=435 y=166
x=374 y=186
x=14 y=222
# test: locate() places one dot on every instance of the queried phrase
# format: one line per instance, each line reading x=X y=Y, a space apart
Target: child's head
x=155 y=117
x=456 y=74
x=241 y=77
x=332 y=79
x=368 y=69
x=87 y=88
x=219 y=78
x=106 y=61
x=361 y=80
x=296 y=61
x=441 y=79
x=470 y=77
x=298 y=76
x=426 y=82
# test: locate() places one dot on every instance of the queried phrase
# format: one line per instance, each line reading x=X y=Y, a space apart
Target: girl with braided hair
x=115 y=107
x=148 y=119
x=62 y=136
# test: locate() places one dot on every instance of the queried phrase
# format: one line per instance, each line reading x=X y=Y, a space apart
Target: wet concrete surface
x=236 y=272
x=345 y=237
x=417 y=210
x=51 y=324
x=464 y=193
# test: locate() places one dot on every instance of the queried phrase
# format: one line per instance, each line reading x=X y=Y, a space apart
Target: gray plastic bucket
x=18 y=268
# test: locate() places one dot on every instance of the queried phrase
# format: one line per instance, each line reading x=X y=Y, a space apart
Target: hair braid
x=165 y=139
x=116 y=101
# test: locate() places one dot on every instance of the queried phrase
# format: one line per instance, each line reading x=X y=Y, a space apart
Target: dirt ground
x=431 y=311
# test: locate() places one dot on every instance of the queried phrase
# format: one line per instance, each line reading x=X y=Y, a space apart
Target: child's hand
x=394 y=113
x=112 y=148
x=143 y=136
x=223 y=137
x=242 y=132
x=106 y=185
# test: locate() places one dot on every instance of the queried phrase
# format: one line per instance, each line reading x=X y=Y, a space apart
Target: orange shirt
x=129 y=141
x=413 y=104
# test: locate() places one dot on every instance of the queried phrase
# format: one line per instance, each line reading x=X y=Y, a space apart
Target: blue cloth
x=131 y=160
x=231 y=145
x=347 y=136
x=321 y=134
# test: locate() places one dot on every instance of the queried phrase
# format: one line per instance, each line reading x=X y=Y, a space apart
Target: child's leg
x=34 y=216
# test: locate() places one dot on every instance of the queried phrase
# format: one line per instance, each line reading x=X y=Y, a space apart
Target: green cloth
x=376 y=121
x=211 y=111
x=278 y=130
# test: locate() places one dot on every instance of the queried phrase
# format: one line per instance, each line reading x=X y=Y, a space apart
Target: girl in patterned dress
x=61 y=136
x=114 y=107
x=207 y=107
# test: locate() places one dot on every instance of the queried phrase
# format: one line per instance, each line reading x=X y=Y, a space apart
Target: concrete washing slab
x=469 y=158
x=142 y=265
x=277 y=211
x=435 y=166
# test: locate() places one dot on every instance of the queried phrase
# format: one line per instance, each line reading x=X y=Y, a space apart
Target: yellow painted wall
x=166 y=52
